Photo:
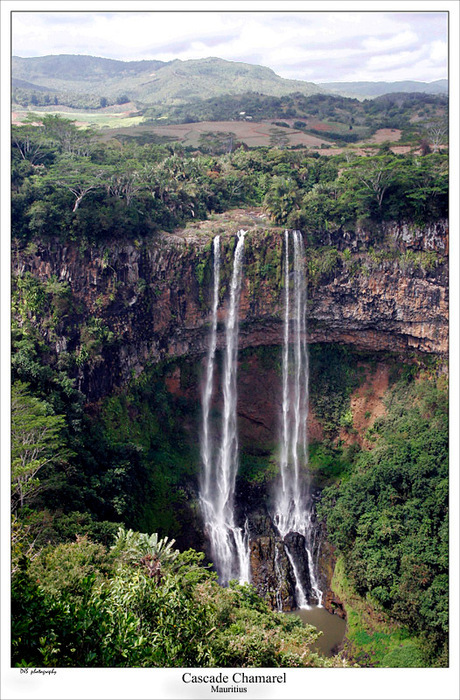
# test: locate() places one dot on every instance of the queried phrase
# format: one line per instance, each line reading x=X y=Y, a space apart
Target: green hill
x=81 y=80
x=78 y=68
x=195 y=90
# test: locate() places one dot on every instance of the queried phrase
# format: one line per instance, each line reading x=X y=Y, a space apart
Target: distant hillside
x=18 y=83
x=339 y=118
x=364 y=89
x=77 y=68
x=196 y=90
x=83 y=80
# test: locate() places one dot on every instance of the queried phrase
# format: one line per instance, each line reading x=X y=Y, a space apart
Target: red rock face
x=367 y=405
x=152 y=298
x=259 y=406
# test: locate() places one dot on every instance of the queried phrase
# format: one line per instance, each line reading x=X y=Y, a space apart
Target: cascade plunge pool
x=332 y=627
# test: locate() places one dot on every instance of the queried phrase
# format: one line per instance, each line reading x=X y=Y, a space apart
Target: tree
x=29 y=142
x=376 y=175
x=65 y=133
x=145 y=550
x=124 y=183
x=36 y=440
x=437 y=134
x=78 y=175
x=282 y=198
x=278 y=138
x=217 y=142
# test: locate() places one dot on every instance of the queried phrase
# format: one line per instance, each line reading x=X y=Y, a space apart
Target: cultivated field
x=124 y=121
x=250 y=133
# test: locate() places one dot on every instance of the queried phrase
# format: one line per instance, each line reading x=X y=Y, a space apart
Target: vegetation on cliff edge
x=67 y=182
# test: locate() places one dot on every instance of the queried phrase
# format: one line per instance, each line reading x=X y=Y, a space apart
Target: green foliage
x=147 y=419
x=132 y=546
x=322 y=263
x=263 y=267
x=281 y=198
x=257 y=471
x=63 y=570
x=373 y=639
x=203 y=274
x=407 y=656
x=328 y=463
x=36 y=440
x=389 y=517
x=94 y=335
x=334 y=372
x=73 y=607
x=102 y=482
x=29 y=297
x=69 y=183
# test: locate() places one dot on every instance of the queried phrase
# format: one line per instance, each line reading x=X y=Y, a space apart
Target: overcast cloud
x=313 y=46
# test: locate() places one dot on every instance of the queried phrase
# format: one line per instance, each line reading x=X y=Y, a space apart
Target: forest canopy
x=69 y=183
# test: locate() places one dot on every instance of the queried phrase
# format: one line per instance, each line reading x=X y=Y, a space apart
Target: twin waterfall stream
x=292 y=502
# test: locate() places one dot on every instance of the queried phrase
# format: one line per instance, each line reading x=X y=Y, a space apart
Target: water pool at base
x=332 y=627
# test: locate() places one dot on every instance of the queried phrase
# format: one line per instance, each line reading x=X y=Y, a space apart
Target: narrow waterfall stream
x=229 y=542
x=206 y=446
x=293 y=503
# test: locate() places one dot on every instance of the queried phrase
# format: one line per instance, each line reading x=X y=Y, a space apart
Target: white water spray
x=229 y=543
x=293 y=507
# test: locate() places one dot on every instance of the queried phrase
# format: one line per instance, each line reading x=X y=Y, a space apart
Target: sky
x=312 y=46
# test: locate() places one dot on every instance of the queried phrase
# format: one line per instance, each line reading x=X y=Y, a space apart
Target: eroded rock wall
x=154 y=296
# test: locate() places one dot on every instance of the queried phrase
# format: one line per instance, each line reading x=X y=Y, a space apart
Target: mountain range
x=366 y=89
x=178 y=82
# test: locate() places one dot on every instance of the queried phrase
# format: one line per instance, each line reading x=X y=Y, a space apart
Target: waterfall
x=229 y=543
x=205 y=443
x=293 y=504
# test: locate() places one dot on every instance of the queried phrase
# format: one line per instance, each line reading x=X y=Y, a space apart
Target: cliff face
x=154 y=296
x=129 y=305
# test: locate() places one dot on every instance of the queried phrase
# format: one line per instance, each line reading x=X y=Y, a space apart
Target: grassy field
x=99 y=118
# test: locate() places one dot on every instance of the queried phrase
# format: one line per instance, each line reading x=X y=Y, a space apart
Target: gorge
x=128 y=307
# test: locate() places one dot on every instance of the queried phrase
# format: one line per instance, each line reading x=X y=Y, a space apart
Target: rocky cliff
x=384 y=290
x=116 y=308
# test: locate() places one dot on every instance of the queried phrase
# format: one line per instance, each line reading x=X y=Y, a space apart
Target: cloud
x=439 y=51
x=398 y=41
x=317 y=46
x=402 y=58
